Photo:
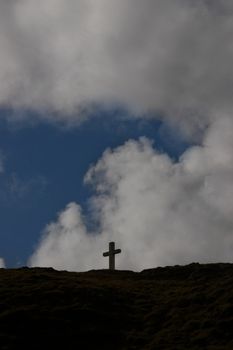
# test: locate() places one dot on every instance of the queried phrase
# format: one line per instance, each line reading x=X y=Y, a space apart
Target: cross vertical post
x=111 y=254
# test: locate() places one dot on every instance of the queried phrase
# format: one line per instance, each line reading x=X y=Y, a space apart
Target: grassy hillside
x=180 y=307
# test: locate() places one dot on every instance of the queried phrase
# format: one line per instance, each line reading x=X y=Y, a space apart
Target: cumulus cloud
x=170 y=56
x=160 y=212
x=66 y=243
x=2 y=263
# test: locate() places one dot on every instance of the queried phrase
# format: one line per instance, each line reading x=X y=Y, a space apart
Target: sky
x=116 y=124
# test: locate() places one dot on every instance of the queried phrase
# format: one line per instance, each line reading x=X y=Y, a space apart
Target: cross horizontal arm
x=117 y=251
x=106 y=254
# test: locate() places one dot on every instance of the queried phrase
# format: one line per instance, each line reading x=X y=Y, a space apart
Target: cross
x=111 y=253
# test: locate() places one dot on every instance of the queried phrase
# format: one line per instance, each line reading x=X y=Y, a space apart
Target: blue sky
x=44 y=167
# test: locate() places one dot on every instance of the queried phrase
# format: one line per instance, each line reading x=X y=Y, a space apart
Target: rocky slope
x=180 y=307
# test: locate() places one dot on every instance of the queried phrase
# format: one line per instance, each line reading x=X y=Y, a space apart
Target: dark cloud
x=171 y=56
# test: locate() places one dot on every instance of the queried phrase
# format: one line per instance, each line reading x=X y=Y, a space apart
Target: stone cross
x=111 y=253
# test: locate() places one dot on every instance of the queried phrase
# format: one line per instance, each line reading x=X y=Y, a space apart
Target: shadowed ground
x=180 y=307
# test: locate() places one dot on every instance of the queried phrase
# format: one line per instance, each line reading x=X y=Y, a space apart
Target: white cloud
x=159 y=212
x=2 y=263
x=173 y=56
x=66 y=243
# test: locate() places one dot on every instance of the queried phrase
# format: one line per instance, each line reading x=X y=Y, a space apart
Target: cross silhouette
x=111 y=253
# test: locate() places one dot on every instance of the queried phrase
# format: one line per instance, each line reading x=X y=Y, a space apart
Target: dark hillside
x=180 y=307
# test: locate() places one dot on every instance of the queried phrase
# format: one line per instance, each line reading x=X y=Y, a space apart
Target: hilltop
x=180 y=307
